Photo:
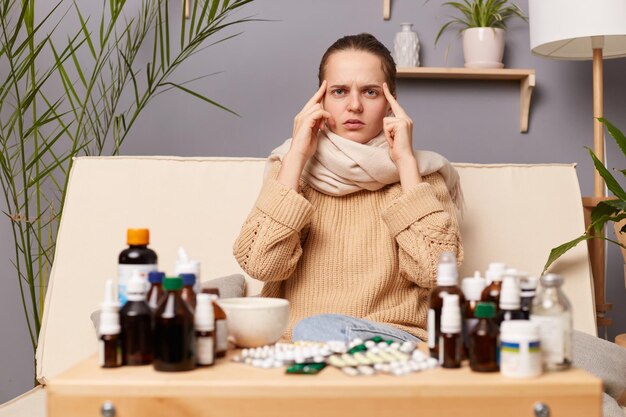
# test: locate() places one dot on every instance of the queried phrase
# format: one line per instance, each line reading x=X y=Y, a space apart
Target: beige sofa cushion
x=514 y=213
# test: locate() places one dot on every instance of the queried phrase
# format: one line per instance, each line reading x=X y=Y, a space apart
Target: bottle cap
x=136 y=287
x=184 y=265
x=111 y=300
x=528 y=283
x=172 y=283
x=204 y=317
x=473 y=287
x=485 y=310
x=519 y=327
x=109 y=316
x=188 y=279
x=137 y=236
x=551 y=280
x=451 y=314
x=155 y=277
x=495 y=271
x=509 y=294
x=447 y=273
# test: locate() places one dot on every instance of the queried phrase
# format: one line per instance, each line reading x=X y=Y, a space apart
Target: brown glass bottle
x=483 y=351
x=491 y=293
x=110 y=351
x=174 y=333
x=155 y=293
x=221 y=328
x=188 y=293
x=136 y=323
x=434 y=314
x=451 y=346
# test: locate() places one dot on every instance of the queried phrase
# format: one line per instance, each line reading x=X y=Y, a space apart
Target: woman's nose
x=355 y=104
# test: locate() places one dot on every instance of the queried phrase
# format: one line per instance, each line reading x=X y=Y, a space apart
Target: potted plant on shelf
x=613 y=210
x=482 y=25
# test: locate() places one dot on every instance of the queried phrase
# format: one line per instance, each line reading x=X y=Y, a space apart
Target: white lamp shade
x=562 y=29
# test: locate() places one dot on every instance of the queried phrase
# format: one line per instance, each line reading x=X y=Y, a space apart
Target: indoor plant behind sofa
x=482 y=25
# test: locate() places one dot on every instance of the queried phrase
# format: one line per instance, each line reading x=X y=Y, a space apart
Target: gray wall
x=271 y=70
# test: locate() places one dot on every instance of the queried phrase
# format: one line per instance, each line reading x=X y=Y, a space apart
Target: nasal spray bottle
x=110 y=343
x=447 y=276
x=450 y=340
x=185 y=265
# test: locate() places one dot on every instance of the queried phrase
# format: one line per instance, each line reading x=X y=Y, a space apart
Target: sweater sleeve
x=423 y=221
x=269 y=244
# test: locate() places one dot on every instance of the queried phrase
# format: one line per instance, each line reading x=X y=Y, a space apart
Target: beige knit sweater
x=370 y=254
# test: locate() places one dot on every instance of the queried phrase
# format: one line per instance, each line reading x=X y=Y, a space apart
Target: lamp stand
x=597 y=247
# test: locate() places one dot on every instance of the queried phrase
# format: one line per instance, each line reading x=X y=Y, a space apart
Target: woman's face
x=354 y=96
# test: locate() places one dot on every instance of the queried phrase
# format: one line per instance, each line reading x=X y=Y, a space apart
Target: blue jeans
x=327 y=327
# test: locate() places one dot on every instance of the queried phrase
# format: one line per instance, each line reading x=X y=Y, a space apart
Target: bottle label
x=551 y=332
x=204 y=351
x=431 y=328
x=125 y=271
x=221 y=334
x=520 y=358
x=101 y=352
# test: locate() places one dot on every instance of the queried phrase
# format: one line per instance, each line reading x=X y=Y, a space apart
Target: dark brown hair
x=366 y=43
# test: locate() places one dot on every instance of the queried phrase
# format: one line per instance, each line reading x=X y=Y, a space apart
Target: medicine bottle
x=494 y=274
x=221 y=326
x=553 y=313
x=136 y=321
x=450 y=340
x=447 y=276
x=528 y=287
x=110 y=342
x=137 y=257
x=205 y=330
x=509 y=301
x=520 y=349
x=188 y=293
x=472 y=290
x=155 y=293
x=174 y=332
x=483 y=345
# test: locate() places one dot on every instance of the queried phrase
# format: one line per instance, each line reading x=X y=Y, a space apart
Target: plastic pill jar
x=520 y=353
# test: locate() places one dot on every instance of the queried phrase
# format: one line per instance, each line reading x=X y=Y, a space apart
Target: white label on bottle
x=551 y=332
x=204 y=351
x=125 y=271
x=221 y=334
x=431 y=328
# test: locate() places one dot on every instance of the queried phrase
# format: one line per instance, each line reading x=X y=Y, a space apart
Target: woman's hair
x=366 y=43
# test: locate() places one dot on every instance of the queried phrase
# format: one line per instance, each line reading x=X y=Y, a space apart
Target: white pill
x=366 y=370
x=395 y=346
x=407 y=347
x=418 y=355
x=348 y=370
x=370 y=344
x=432 y=362
x=383 y=345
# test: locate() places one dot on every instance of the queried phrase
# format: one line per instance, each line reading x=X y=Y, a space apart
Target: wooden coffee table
x=235 y=390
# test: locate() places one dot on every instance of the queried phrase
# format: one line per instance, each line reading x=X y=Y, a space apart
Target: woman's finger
x=395 y=106
x=317 y=97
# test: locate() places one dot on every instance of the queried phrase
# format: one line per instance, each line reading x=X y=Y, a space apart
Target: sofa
x=513 y=213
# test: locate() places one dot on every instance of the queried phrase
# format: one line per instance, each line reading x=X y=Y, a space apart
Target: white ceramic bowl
x=255 y=321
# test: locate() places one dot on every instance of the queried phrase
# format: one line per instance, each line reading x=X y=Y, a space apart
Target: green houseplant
x=482 y=47
x=110 y=69
x=613 y=210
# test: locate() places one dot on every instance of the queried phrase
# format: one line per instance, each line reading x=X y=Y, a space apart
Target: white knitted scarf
x=341 y=166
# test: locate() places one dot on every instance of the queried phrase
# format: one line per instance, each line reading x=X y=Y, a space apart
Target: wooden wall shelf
x=526 y=77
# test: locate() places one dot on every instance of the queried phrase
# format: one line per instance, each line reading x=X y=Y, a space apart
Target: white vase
x=483 y=47
x=406 y=47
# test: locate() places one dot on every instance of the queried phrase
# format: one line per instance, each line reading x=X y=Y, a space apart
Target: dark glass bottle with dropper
x=136 y=321
x=174 y=332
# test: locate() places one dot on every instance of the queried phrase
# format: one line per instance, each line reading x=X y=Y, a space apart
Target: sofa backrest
x=514 y=214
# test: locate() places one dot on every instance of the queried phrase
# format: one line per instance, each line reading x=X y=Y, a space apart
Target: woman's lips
x=353 y=124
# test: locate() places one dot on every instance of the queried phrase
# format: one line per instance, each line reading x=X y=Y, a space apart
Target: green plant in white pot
x=482 y=25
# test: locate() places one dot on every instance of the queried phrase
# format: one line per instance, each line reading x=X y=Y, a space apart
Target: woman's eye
x=338 y=91
x=371 y=93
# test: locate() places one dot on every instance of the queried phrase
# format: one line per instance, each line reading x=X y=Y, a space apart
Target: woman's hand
x=306 y=124
x=399 y=133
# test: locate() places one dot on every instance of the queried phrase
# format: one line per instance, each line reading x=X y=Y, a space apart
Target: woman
x=350 y=222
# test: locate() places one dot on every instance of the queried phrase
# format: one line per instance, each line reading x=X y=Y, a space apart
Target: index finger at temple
x=317 y=97
x=395 y=106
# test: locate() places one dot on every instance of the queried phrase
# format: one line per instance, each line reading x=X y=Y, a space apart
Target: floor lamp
x=584 y=30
